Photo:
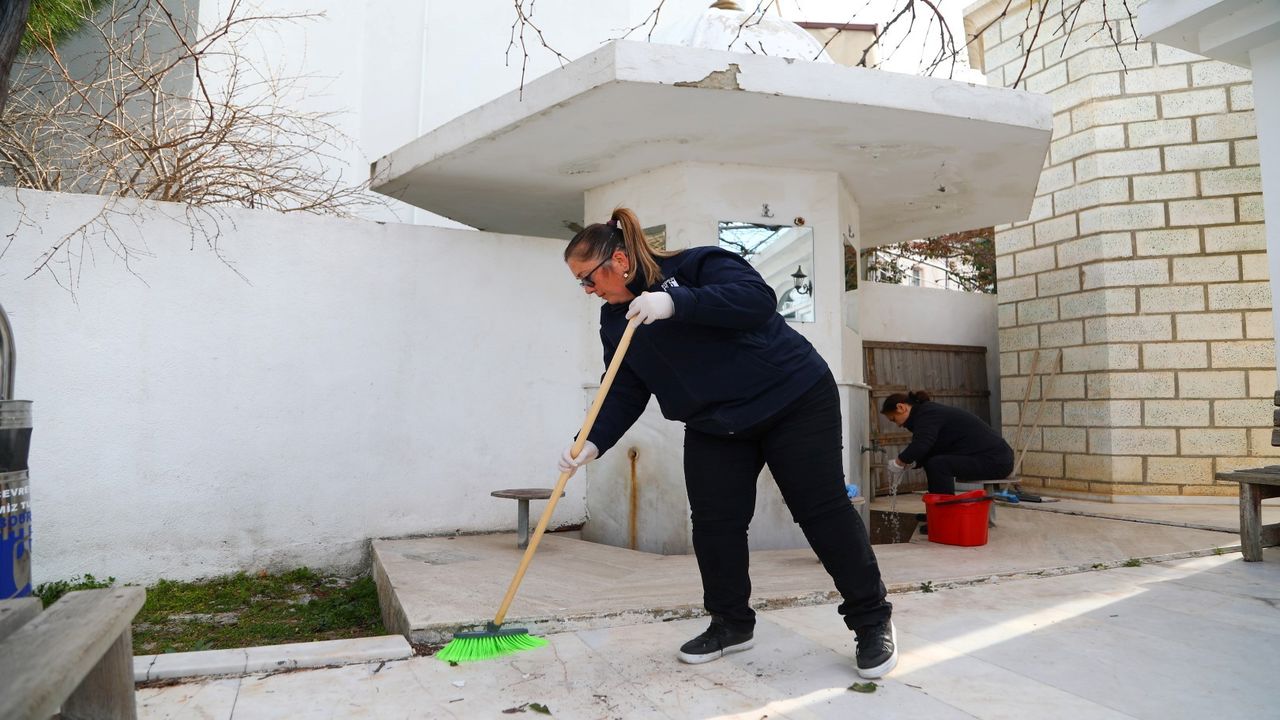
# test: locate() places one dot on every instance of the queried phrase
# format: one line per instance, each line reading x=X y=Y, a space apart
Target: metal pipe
x=634 y=504
x=8 y=357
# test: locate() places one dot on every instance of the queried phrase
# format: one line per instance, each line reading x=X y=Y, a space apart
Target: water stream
x=889 y=526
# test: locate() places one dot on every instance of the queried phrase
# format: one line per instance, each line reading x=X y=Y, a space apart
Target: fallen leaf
x=539 y=708
x=866 y=687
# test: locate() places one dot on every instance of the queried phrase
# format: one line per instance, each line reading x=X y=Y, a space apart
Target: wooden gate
x=951 y=374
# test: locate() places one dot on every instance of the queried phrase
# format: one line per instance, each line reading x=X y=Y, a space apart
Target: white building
x=355 y=379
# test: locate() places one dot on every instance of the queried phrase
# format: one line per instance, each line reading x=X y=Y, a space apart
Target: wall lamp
x=803 y=287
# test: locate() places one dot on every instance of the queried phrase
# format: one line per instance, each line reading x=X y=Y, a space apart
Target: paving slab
x=431 y=587
x=1114 y=643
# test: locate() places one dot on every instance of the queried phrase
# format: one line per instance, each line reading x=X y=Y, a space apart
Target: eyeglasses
x=586 y=281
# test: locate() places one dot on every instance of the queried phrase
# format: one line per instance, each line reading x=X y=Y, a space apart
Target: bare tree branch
x=651 y=21
x=523 y=21
x=162 y=109
x=1026 y=56
x=836 y=34
x=948 y=53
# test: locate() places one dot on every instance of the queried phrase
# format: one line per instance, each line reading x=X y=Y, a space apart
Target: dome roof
x=725 y=26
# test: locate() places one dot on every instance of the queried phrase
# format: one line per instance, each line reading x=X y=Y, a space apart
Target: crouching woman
x=948 y=442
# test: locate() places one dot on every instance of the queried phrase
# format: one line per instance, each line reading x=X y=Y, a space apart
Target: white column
x=1266 y=74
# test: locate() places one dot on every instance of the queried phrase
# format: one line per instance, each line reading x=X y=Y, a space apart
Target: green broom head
x=487 y=644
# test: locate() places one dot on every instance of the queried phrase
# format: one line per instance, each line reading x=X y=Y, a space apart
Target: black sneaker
x=923 y=527
x=714 y=642
x=877 y=649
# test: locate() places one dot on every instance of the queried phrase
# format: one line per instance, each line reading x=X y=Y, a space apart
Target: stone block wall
x=1141 y=272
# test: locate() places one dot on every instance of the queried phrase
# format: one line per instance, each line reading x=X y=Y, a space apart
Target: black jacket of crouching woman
x=954 y=444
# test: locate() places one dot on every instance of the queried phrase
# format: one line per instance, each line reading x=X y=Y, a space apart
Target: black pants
x=943 y=470
x=801 y=445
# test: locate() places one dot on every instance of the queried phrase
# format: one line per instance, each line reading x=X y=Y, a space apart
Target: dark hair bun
x=917 y=397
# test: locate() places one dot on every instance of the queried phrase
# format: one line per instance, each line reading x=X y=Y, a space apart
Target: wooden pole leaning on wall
x=1044 y=392
x=1022 y=406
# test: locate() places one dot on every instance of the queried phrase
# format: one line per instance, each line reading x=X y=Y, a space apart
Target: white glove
x=652 y=306
x=894 y=467
x=570 y=464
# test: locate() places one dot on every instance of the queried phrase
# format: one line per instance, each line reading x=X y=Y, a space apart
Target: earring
x=626 y=275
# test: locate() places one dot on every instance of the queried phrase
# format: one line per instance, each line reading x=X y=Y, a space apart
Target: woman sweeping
x=947 y=442
x=751 y=392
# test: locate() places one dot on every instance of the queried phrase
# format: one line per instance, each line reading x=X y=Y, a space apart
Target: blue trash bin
x=15 y=499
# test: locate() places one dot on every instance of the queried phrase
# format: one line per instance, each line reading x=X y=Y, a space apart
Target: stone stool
x=523 y=496
x=988 y=486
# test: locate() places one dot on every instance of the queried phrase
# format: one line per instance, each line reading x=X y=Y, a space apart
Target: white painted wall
x=366 y=380
x=1265 y=61
x=902 y=313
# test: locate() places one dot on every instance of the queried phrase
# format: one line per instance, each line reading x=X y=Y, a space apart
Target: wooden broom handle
x=614 y=364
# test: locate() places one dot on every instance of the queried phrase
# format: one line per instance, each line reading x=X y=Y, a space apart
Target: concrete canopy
x=1221 y=29
x=921 y=156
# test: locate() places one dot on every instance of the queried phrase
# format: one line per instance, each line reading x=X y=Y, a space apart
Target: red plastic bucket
x=957 y=519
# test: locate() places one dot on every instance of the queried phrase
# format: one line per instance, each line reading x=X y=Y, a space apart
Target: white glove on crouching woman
x=895 y=467
x=570 y=464
x=651 y=306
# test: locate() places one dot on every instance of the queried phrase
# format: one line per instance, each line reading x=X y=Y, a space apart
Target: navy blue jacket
x=946 y=430
x=726 y=360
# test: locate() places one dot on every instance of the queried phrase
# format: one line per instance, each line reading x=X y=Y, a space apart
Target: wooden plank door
x=951 y=374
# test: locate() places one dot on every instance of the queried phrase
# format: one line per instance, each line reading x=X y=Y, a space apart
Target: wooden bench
x=1255 y=486
x=77 y=656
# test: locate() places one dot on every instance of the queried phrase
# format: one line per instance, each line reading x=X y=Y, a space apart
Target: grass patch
x=50 y=592
x=245 y=610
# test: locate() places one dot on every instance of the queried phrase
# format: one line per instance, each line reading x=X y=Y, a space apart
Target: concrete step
x=430 y=588
x=270 y=658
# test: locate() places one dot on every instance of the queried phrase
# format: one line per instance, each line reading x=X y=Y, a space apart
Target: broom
x=496 y=641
